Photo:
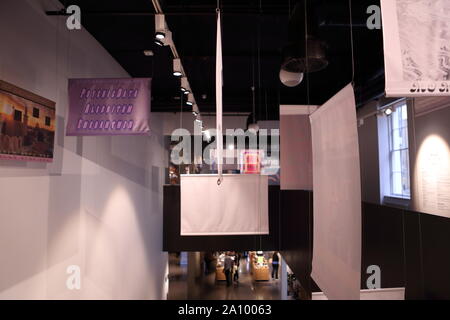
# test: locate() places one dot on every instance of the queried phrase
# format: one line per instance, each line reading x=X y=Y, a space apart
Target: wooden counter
x=261 y=274
x=220 y=275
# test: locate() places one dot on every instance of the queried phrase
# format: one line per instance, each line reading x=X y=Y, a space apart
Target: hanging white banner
x=416 y=47
x=337 y=197
x=219 y=143
x=239 y=206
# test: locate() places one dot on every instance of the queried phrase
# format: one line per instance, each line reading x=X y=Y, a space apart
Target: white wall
x=430 y=158
x=99 y=204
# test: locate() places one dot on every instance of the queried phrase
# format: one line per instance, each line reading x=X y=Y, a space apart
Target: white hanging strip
x=219 y=136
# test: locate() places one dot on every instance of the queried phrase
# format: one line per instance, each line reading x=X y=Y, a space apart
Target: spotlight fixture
x=388 y=111
x=184 y=85
x=160 y=26
x=177 y=69
x=159 y=43
x=195 y=113
x=160 y=35
x=190 y=100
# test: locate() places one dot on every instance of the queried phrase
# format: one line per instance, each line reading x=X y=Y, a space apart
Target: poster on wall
x=431 y=169
x=416 y=47
x=118 y=106
x=336 y=265
x=27 y=125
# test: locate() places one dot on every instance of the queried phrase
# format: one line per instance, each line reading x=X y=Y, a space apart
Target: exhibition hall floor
x=206 y=288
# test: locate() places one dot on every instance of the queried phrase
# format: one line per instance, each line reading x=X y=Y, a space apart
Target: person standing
x=237 y=258
x=228 y=268
x=275 y=265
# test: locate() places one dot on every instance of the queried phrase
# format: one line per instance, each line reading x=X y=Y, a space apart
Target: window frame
x=392 y=150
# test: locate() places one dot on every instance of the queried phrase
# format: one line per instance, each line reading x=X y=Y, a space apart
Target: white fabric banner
x=219 y=142
x=337 y=198
x=416 y=47
x=239 y=206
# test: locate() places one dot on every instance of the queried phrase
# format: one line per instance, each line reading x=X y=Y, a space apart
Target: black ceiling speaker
x=305 y=52
x=307 y=57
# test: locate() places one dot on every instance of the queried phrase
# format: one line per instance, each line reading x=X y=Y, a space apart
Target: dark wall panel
x=382 y=244
x=296 y=235
x=436 y=256
x=413 y=257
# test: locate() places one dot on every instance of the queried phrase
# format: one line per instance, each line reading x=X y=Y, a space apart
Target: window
x=398 y=151
x=36 y=112
x=47 y=121
x=17 y=115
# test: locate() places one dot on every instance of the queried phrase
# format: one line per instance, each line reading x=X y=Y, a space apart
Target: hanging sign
x=416 y=47
x=336 y=264
x=109 y=107
x=219 y=102
x=239 y=206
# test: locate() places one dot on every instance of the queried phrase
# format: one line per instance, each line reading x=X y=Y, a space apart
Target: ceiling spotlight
x=148 y=53
x=160 y=35
x=160 y=27
x=159 y=43
x=185 y=85
x=190 y=100
x=177 y=69
x=195 y=113
x=388 y=111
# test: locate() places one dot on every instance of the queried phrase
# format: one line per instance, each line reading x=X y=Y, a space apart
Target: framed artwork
x=27 y=125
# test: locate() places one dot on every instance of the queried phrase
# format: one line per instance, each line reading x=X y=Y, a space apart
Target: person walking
x=228 y=268
x=275 y=265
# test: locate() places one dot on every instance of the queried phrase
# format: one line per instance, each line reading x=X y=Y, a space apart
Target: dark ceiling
x=254 y=32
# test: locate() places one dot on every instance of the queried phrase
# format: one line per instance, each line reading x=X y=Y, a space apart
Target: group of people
x=231 y=267
x=232 y=262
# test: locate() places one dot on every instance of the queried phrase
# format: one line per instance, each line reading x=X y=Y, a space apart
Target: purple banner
x=109 y=107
